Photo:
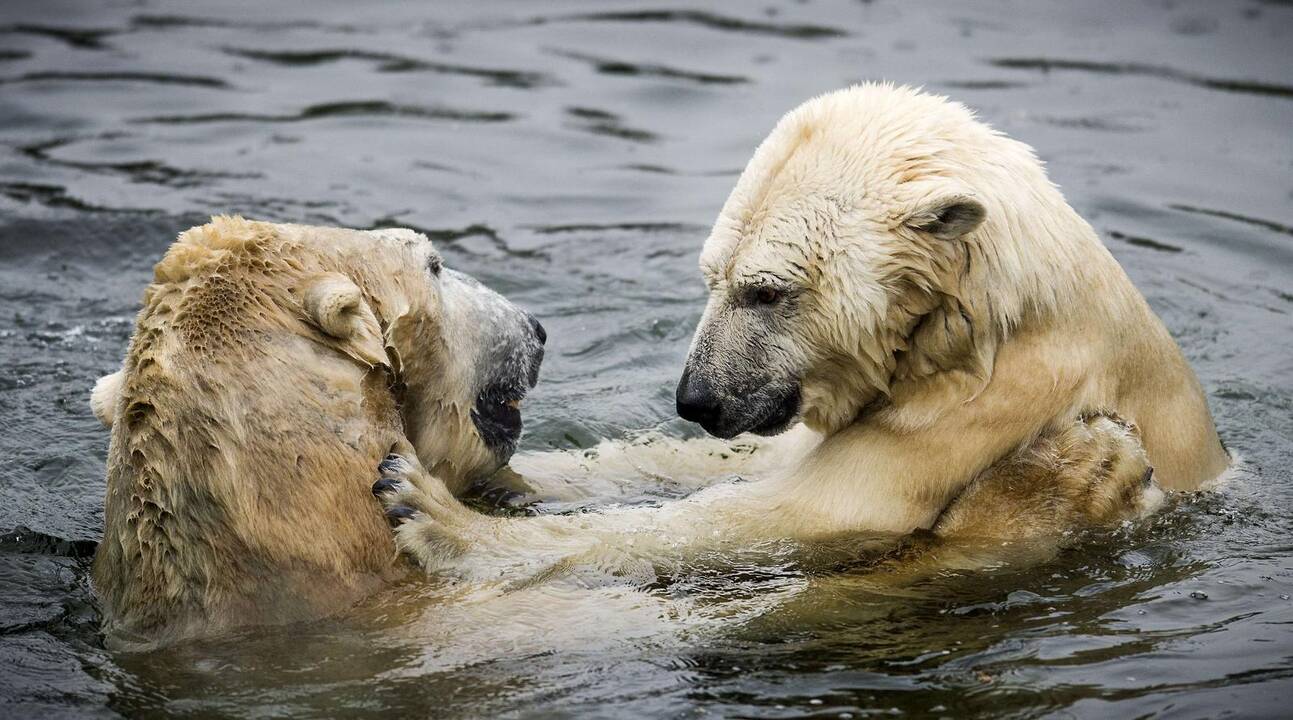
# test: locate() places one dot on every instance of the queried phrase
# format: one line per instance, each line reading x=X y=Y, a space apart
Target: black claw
x=1148 y=478
x=501 y=497
x=390 y=462
x=400 y=513
x=384 y=486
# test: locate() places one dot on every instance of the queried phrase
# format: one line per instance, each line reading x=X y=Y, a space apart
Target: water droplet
x=1284 y=596
x=815 y=701
x=1198 y=595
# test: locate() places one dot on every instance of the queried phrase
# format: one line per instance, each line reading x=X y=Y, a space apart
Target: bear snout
x=697 y=402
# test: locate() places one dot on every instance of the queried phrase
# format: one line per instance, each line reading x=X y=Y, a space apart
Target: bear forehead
x=839 y=159
x=420 y=244
x=786 y=218
x=761 y=259
x=233 y=240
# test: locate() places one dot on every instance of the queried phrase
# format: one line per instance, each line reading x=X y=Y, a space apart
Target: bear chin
x=778 y=415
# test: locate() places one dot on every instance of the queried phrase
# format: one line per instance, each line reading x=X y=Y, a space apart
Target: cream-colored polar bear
x=271 y=367
x=908 y=283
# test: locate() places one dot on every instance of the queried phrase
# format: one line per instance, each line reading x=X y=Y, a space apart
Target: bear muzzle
x=768 y=408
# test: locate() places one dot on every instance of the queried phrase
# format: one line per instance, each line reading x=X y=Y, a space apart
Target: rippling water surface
x=572 y=155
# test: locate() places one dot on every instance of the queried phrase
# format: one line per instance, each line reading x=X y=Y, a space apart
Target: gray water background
x=572 y=155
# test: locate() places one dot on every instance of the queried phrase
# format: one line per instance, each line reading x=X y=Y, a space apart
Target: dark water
x=572 y=156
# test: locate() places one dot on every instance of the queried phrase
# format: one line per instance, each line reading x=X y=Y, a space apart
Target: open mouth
x=497 y=416
x=514 y=360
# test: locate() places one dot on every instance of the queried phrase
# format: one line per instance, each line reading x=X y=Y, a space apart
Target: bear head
x=461 y=355
x=857 y=250
x=271 y=368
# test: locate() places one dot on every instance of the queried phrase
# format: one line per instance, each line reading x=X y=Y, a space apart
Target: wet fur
x=258 y=392
x=926 y=354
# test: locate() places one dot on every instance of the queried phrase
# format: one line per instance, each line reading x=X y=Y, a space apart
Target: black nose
x=696 y=400
x=539 y=332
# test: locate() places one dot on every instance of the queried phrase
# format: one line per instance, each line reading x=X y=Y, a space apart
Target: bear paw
x=1103 y=470
x=397 y=493
x=429 y=526
x=1092 y=471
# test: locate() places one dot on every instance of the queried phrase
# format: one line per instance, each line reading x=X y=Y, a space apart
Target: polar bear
x=908 y=283
x=270 y=368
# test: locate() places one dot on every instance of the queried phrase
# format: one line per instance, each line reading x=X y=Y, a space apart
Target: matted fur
x=258 y=392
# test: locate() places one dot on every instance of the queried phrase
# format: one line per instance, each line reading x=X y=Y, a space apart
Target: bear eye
x=767 y=295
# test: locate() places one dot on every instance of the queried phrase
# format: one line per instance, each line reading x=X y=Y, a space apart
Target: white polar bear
x=270 y=368
x=908 y=283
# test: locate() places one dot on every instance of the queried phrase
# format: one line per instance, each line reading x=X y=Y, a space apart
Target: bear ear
x=948 y=217
x=334 y=304
x=103 y=399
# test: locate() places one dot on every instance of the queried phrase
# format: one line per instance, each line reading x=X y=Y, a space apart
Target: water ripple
x=392 y=63
x=359 y=108
x=454 y=237
x=1098 y=124
x=601 y=122
x=163 y=22
x=1145 y=242
x=132 y=77
x=618 y=227
x=55 y=196
x=620 y=67
x=22 y=540
x=982 y=84
x=712 y=21
x=82 y=38
x=152 y=172
x=1253 y=87
x=1226 y=215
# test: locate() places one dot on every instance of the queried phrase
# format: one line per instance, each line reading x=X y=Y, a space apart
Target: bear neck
x=1019 y=273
